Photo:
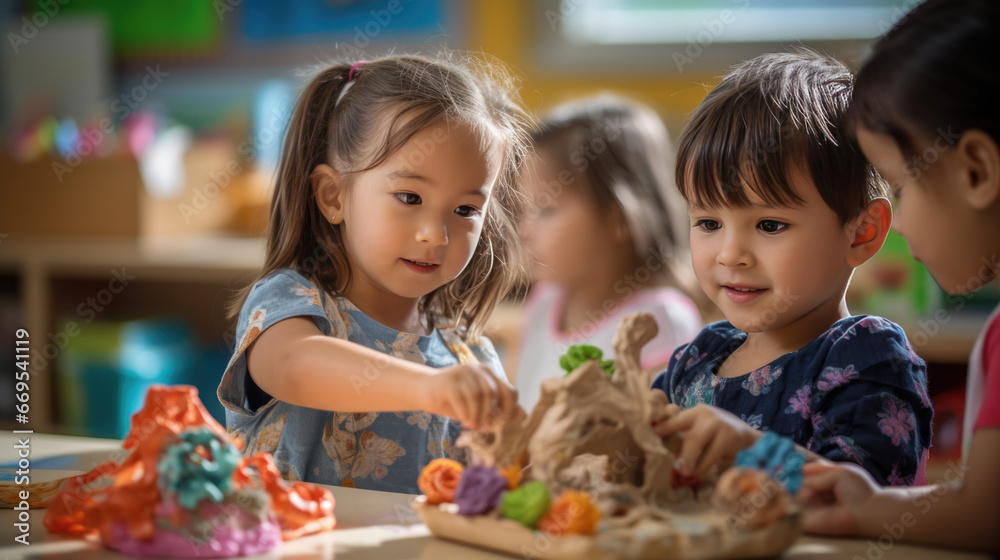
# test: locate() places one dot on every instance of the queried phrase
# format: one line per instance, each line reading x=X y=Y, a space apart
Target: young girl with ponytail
x=391 y=239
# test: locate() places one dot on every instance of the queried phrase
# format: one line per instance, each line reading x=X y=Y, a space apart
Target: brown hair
x=933 y=75
x=389 y=101
x=771 y=113
x=622 y=152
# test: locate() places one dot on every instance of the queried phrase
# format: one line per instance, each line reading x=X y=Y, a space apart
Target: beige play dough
x=593 y=433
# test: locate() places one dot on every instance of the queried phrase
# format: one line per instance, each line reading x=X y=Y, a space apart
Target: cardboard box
x=97 y=197
x=106 y=196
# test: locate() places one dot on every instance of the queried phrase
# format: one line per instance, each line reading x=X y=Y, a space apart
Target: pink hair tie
x=350 y=81
x=354 y=68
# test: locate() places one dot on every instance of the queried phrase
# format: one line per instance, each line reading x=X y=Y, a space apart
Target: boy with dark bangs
x=783 y=208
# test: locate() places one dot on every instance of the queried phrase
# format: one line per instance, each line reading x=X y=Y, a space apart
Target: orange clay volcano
x=250 y=509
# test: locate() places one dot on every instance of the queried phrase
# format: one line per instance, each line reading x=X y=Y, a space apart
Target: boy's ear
x=979 y=169
x=868 y=231
x=328 y=188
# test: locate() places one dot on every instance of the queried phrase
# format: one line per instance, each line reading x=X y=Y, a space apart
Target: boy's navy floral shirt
x=857 y=393
x=374 y=450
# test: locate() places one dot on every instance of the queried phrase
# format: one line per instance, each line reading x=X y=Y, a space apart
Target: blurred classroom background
x=141 y=139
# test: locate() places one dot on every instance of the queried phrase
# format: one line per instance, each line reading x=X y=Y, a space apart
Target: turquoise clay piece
x=192 y=475
x=776 y=456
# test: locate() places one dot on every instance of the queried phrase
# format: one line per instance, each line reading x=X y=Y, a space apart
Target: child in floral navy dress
x=783 y=207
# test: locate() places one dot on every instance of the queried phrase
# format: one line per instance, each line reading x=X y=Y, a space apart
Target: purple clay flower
x=479 y=491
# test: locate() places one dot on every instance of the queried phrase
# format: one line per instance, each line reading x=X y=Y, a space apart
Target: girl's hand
x=712 y=434
x=470 y=393
x=834 y=494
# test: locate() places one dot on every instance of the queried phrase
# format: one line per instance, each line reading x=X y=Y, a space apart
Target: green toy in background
x=905 y=291
x=146 y=27
x=902 y=287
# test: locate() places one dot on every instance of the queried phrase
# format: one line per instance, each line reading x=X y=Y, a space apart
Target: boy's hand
x=833 y=495
x=665 y=413
x=712 y=434
x=470 y=393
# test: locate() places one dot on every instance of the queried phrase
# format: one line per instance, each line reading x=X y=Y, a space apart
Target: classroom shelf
x=192 y=277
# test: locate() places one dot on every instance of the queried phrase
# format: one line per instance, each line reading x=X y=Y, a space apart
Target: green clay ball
x=527 y=504
x=578 y=354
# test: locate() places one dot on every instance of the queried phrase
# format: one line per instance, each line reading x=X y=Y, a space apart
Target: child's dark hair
x=619 y=153
x=389 y=101
x=770 y=115
x=933 y=74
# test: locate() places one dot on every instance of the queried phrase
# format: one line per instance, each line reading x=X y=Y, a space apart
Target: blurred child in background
x=606 y=237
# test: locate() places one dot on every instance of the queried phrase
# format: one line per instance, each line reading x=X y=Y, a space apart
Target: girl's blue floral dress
x=373 y=450
x=856 y=393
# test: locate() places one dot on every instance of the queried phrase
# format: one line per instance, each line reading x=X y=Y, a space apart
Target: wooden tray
x=44 y=486
x=687 y=537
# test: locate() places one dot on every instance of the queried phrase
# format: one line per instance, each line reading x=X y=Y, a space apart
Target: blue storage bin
x=87 y=375
x=154 y=351
x=106 y=370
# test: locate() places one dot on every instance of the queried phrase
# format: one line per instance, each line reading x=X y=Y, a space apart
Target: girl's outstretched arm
x=293 y=361
x=963 y=512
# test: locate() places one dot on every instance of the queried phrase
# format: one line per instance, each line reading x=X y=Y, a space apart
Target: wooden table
x=370 y=525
